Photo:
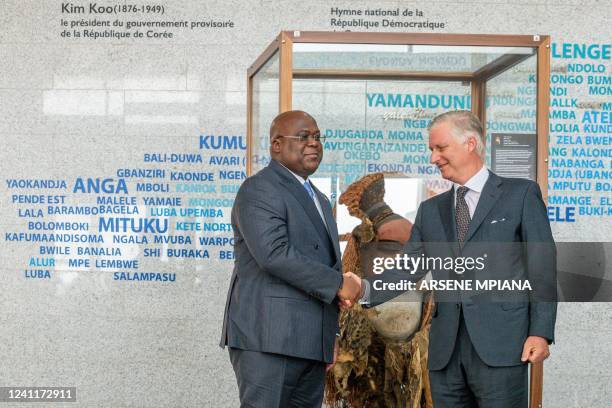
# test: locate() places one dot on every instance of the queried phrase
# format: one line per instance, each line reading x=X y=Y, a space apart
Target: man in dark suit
x=281 y=315
x=480 y=341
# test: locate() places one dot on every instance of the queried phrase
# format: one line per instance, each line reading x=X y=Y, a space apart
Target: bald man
x=281 y=315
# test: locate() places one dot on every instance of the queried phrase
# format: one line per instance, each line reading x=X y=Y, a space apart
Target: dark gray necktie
x=462 y=214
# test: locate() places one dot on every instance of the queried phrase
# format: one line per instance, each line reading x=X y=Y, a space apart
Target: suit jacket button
x=316 y=246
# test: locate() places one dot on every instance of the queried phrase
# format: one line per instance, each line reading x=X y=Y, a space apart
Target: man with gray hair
x=479 y=346
x=465 y=124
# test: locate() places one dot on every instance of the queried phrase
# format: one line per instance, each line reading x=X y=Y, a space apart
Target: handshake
x=351 y=290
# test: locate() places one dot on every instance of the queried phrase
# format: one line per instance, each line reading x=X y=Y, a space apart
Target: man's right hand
x=351 y=290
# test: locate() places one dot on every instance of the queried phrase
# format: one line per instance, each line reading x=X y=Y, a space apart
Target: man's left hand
x=535 y=349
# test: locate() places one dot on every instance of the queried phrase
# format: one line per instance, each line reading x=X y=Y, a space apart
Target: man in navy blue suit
x=281 y=315
x=479 y=346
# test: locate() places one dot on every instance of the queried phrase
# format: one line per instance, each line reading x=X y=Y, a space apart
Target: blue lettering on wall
x=97 y=185
x=577 y=50
x=36 y=184
x=145 y=276
x=222 y=142
x=561 y=214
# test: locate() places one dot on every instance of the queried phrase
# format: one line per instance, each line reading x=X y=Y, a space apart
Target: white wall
x=81 y=107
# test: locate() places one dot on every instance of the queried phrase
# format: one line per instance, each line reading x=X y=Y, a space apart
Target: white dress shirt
x=475 y=186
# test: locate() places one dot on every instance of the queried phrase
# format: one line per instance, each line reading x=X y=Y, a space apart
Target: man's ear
x=275 y=145
x=471 y=142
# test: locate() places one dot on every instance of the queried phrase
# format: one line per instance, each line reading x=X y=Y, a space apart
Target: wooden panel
x=500 y=65
x=477 y=98
x=542 y=124
x=479 y=103
x=415 y=38
x=249 y=132
x=388 y=75
x=264 y=57
x=286 y=73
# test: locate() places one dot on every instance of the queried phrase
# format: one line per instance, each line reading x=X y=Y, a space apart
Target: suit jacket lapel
x=331 y=223
x=489 y=196
x=301 y=195
x=447 y=214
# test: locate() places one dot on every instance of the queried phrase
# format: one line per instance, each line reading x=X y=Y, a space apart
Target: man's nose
x=434 y=158
x=312 y=142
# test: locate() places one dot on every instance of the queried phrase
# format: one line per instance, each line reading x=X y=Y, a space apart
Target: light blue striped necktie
x=311 y=193
x=308 y=188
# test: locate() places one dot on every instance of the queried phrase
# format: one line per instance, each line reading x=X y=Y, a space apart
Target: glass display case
x=373 y=95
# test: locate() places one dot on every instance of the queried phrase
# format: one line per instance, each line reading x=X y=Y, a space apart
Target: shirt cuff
x=365 y=299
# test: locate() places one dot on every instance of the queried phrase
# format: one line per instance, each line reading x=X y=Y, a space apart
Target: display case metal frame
x=283 y=45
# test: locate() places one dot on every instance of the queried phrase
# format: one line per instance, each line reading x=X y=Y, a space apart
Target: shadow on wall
x=584 y=271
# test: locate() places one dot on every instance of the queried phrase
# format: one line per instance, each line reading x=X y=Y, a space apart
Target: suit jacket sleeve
x=413 y=248
x=540 y=253
x=261 y=217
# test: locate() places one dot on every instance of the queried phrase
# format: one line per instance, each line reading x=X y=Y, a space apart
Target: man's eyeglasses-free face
x=305 y=137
